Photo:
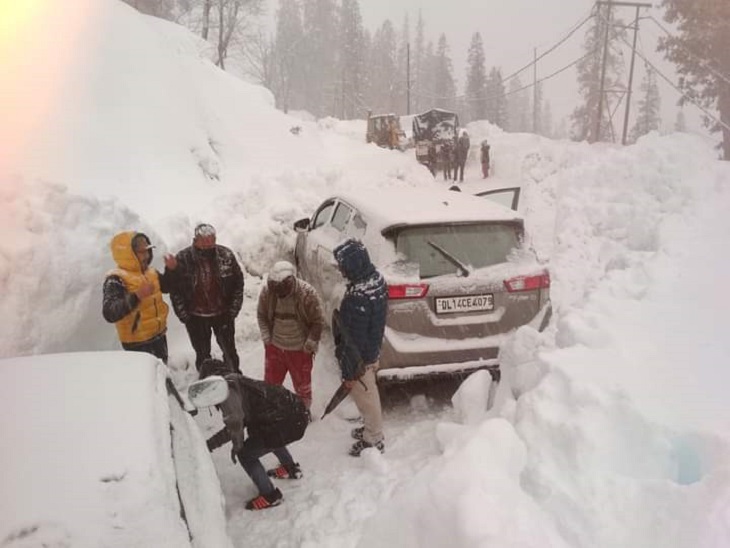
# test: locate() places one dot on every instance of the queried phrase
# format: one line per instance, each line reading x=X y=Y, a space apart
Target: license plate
x=467 y=303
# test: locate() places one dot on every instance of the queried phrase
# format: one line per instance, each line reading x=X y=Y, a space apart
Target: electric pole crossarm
x=625 y=4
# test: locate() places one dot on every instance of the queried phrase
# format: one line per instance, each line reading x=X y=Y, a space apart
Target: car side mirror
x=209 y=391
x=302 y=225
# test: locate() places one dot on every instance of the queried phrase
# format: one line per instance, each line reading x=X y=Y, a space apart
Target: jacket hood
x=123 y=251
x=354 y=261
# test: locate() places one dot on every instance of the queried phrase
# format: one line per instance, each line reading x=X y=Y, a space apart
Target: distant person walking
x=357 y=344
x=133 y=295
x=485 y=159
x=290 y=320
x=208 y=294
x=462 y=152
x=446 y=153
x=272 y=418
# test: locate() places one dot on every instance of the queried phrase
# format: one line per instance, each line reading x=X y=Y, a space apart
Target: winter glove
x=311 y=346
x=233 y=455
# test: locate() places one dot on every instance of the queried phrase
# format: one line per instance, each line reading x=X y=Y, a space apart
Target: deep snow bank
x=139 y=130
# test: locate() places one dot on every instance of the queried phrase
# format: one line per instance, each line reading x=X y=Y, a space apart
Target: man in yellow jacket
x=133 y=295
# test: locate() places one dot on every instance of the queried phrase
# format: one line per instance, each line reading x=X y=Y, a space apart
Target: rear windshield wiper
x=449 y=257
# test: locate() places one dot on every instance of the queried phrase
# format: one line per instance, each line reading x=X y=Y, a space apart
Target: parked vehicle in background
x=385 y=131
x=99 y=451
x=459 y=280
x=433 y=129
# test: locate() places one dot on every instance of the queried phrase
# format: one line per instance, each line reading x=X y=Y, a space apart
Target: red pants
x=297 y=363
x=485 y=169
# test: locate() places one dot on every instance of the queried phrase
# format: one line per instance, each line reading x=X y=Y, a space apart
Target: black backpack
x=273 y=413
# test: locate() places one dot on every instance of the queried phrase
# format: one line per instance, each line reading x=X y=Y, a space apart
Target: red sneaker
x=265 y=501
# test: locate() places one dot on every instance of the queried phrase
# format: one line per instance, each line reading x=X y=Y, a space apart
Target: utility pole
x=631 y=73
x=534 y=91
x=604 y=58
x=607 y=21
x=408 y=78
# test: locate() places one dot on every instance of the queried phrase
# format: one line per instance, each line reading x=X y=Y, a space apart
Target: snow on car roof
x=394 y=206
x=85 y=449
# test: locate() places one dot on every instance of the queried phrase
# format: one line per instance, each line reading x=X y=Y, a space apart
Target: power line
x=550 y=50
x=511 y=92
x=676 y=88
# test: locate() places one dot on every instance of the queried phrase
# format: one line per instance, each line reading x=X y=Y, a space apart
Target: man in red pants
x=290 y=321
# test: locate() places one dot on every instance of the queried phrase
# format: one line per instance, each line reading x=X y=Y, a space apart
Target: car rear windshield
x=471 y=245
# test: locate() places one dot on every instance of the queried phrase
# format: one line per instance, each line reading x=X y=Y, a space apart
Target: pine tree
x=418 y=65
x=584 y=117
x=496 y=99
x=680 y=124
x=546 y=122
x=444 y=85
x=648 y=117
x=288 y=45
x=537 y=106
x=351 y=59
x=700 y=52
x=518 y=107
x=428 y=78
x=383 y=93
x=404 y=40
x=476 y=79
x=320 y=79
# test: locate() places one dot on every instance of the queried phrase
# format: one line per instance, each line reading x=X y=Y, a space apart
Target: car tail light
x=407 y=291
x=528 y=283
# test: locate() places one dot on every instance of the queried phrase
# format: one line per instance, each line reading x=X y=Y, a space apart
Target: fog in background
x=512 y=30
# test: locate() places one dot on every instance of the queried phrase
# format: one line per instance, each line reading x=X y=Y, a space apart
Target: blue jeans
x=253 y=449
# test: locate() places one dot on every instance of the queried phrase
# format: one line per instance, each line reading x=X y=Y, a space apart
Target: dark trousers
x=459 y=170
x=199 y=329
x=447 y=170
x=253 y=449
x=156 y=346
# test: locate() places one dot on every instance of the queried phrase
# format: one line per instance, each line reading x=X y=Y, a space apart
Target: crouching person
x=271 y=415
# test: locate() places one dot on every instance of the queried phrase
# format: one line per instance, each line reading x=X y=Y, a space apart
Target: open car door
x=507 y=197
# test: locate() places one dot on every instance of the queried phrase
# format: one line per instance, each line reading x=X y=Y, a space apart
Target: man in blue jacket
x=357 y=345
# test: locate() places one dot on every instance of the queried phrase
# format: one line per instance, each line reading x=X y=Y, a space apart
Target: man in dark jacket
x=462 y=152
x=362 y=323
x=133 y=295
x=273 y=418
x=208 y=294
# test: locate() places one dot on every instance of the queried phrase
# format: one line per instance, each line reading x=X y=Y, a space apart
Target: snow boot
x=265 y=501
x=283 y=471
x=359 y=446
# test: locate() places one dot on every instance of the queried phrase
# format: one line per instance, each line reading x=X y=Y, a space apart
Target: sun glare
x=39 y=40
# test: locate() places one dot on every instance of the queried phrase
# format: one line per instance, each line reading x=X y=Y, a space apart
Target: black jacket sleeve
x=237 y=294
x=218 y=439
x=117 y=302
x=167 y=280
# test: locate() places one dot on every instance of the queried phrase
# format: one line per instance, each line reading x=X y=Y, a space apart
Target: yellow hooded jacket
x=149 y=317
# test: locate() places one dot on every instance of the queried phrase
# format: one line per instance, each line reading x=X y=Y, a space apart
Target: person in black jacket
x=462 y=152
x=272 y=416
x=207 y=295
x=362 y=317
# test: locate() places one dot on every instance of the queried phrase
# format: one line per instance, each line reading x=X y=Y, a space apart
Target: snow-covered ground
x=611 y=428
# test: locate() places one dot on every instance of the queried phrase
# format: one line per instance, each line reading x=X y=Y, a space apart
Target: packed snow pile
x=146 y=133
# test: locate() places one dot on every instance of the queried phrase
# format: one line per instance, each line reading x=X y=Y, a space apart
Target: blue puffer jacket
x=364 y=306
